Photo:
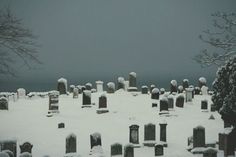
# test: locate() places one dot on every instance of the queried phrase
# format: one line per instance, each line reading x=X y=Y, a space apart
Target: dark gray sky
x=87 y=40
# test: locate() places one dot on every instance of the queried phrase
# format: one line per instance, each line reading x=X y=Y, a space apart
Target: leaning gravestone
x=3 y=103
x=179 y=101
x=71 y=143
x=9 y=145
x=120 y=83
x=62 y=86
x=116 y=149
x=129 y=150
x=132 y=82
x=159 y=150
x=199 y=137
x=95 y=140
x=134 y=134
x=99 y=85
x=86 y=98
x=26 y=147
x=173 y=86
x=111 y=87
x=21 y=93
x=149 y=135
x=185 y=83
x=155 y=94
x=144 y=90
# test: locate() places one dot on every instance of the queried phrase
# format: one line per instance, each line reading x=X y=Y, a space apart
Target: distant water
x=40 y=86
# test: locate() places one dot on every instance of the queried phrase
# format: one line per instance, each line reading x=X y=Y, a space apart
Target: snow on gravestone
x=25 y=154
x=202 y=82
x=144 y=90
x=162 y=91
x=180 y=89
x=9 y=145
x=10 y=153
x=95 y=140
x=99 y=85
x=204 y=90
x=88 y=86
x=155 y=94
x=120 y=83
x=21 y=93
x=185 y=83
x=173 y=86
x=62 y=85
x=149 y=134
x=3 y=103
x=53 y=101
x=72 y=88
x=189 y=94
x=111 y=87
x=132 y=82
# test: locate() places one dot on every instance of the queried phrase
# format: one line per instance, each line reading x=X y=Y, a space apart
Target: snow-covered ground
x=26 y=120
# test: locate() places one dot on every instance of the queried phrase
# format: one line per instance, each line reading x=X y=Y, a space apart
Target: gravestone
x=99 y=85
x=129 y=150
x=62 y=86
x=111 y=87
x=149 y=134
x=204 y=90
x=210 y=152
x=71 y=143
x=116 y=149
x=170 y=102
x=132 y=82
x=152 y=87
x=204 y=104
x=75 y=93
x=230 y=142
x=9 y=145
x=159 y=150
x=185 y=83
x=197 y=90
x=179 y=101
x=95 y=140
x=26 y=147
x=191 y=86
x=162 y=90
x=202 y=82
x=173 y=86
x=154 y=104
x=180 y=89
x=163 y=104
x=102 y=105
x=189 y=94
x=8 y=152
x=25 y=154
x=72 y=88
x=3 y=103
x=86 y=98
x=120 y=83
x=53 y=101
x=61 y=125
x=163 y=133
x=144 y=90
x=134 y=134
x=199 y=137
x=221 y=138
x=155 y=94
x=21 y=93
x=88 y=86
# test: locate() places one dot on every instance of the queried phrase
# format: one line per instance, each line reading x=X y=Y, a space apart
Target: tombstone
x=99 y=85
x=199 y=137
x=3 y=103
x=159 y=150
x=26 y=147
x=163 y=104
x=197 y=90
x=154 y=104
x=173 y=86
x=129 y=150
x=155 y=94
x=162 y=90
x=204 y=90
x=202 y=82
x=134 y=134
x=221 y=138
x=88 y=86
x=10 y=153
x=185 y=83
x=230 y=143
x=9 y=145
x=25 y=154
x=179 y=101
x=72 y=88
x=61 y=125
x=210 y=152
x=86 y=98
x=170 y=102
x=62 y=86
x=95 y=140
x=102 y=105
x=189 y=94
x=149 y=135
x=144 y=90
x=191 y=86
x=75 y=93
x=111 y=87
x=21 y=93
x=53 y=101
x=180 y=89
x=163 y=133
x=152 y=87
x=132 y=82
x=120 y=83
x=71 y=143
x=204 y=104
x=116 y=149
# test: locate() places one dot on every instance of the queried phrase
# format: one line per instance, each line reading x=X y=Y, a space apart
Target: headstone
x=75 y=93
x=173 y=86
x=221 y=138
x=72 y=88
x=25 y=154
x=120 y=83
x=202 y=82
x=155 y=94
x=152 y=87
x=191 y=86
x=99 y=85
x=95 y=140
x=26 y=147
x=189 y=94
x=129 y=150
x=10 y=153
x=204 y=90
x=180 y=89
x=163 y=104
x=88 y=86
x=116 y=149
x=71 y=143
x=230 y=143
x=149 y=134
x=179 y=101
x=185 y=83
x=199 y=137
x=170 y=102
x=163 y=133
x=9 y=145
x=162 y=90
x=21 y=93
x=134 y=134
x=3 y=103
x=204 y=104
x=210 y=152
x=197 y=90
x=61 y=125
x=111 y=87
x=154 y=104
x=53 y=101
x=62 y=86
x=132 y=82
x=159 y=150
x=102 y=105
x=86 y=98
x=144 y=90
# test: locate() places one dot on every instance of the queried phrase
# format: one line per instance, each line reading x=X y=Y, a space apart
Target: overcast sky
x=87 y=40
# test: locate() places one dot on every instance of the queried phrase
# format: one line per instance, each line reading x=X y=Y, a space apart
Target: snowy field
x=26 y=120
